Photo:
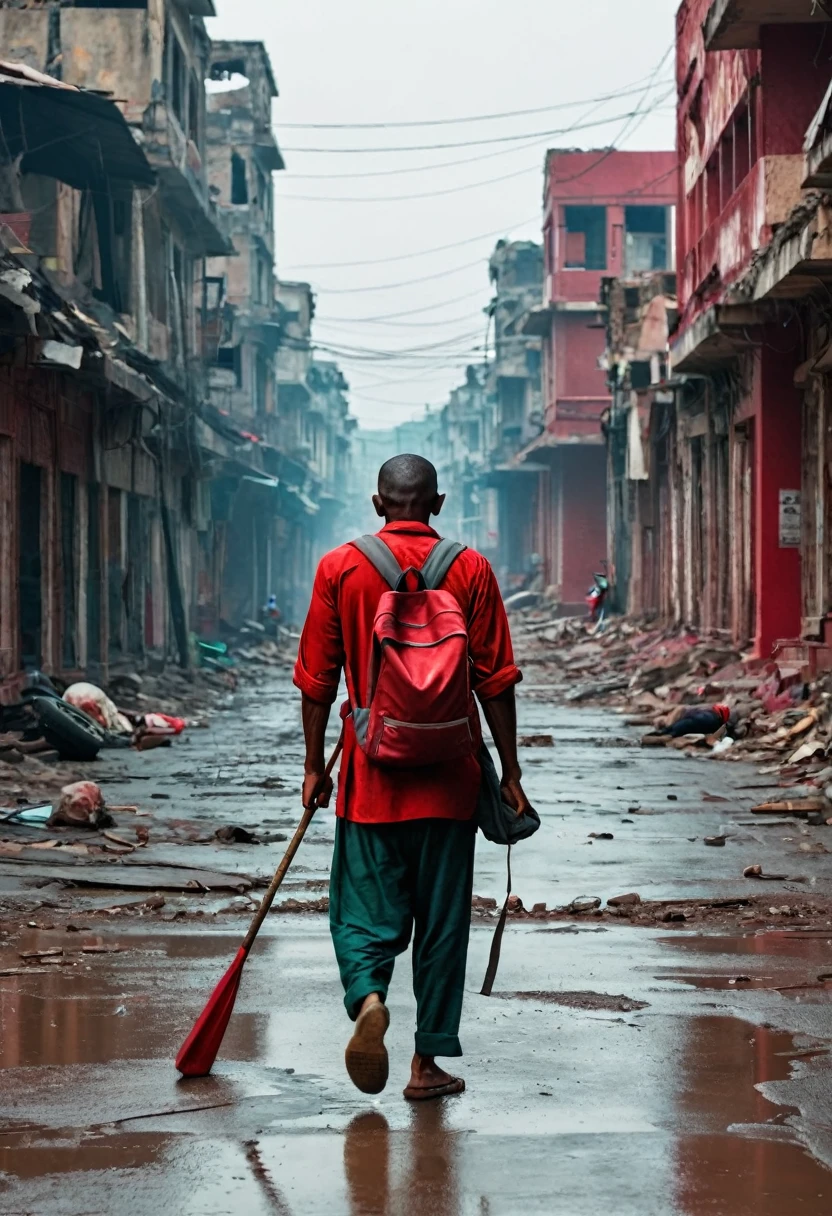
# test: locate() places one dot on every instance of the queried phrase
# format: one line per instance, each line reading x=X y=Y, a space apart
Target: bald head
x=408 y=489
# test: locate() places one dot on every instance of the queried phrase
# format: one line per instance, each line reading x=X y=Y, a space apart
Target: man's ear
x=437 y=504
x=378 y=503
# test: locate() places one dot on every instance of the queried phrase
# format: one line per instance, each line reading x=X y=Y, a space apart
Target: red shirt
x=338 y=634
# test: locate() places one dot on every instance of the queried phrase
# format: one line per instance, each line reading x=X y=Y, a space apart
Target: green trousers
x=387 y=881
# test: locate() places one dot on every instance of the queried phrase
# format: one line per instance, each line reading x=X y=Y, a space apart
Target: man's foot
x=366 y=1055
x=428 y=1080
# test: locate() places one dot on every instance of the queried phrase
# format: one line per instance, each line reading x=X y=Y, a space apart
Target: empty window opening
x=239 y=185
x=30 y=567
x=227 y=76
x=176 y=77
x=586 y=238
x=646 y=246
x=193 y=109
x=230 y=357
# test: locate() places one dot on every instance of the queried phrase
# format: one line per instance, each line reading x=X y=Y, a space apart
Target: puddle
x=811 y=945
x=126 y=1006
x=738 y=1155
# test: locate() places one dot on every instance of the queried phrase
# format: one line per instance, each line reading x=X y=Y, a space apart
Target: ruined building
x=516 y=272
x=606 y=213
x=753 y=318
x=139 y=396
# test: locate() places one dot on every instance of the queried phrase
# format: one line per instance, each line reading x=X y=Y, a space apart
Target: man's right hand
x=514 y=795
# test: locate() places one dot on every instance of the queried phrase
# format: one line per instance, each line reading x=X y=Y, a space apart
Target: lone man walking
x=404 y=839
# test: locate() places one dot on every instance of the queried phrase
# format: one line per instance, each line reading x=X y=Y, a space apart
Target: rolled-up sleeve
x=489 y=638
x=321 y=651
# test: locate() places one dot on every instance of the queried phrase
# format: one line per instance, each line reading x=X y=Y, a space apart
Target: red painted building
x=751 y=75
x=606 y=213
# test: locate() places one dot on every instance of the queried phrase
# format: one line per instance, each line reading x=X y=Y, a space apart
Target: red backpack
x=420 y=707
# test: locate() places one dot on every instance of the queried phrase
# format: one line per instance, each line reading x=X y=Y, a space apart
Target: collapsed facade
x=516 y=273
x=141 y=331
x=738 y=430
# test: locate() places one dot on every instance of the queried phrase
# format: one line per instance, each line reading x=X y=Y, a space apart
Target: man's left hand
x=514 y=795
x=317 y=790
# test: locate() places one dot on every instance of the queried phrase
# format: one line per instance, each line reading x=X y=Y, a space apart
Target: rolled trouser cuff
x=437 y=1044
x=358 y=992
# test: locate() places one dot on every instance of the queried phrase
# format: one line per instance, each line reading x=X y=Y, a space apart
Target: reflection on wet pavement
x=619 y=1073
x=763 y=1172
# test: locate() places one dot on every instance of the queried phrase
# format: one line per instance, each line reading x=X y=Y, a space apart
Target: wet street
x=669 y=1069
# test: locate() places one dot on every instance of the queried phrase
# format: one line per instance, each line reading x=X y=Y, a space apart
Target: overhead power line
x=629 y=91
x=418 y=253
x=470 y=143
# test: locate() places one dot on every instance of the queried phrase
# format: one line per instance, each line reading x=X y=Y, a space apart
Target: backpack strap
x=497 y=941
x=381 y=557
x=439 y=561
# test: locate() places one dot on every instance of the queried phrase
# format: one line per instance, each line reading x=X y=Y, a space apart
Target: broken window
x=239 y=185
x=181 y=291
x=193 y=109
x=230 y=357
x=122 y=249
x=155 y=244
x=69 y=489
x=586 y=238
x=645 y=238
x=176 y=75
x=513 y=402
x=527 y=267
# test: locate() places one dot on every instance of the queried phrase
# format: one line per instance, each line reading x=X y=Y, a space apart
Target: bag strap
x=381 y=557
x=494 y=956
x=439 y=561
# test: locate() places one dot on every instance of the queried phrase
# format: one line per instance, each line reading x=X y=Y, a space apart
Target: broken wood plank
x=798 y=806
x=124 y=876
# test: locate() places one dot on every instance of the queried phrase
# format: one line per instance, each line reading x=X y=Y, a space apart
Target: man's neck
x=408 y=519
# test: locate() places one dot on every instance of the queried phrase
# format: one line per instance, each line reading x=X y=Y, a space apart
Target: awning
x=66 y=133
x=549 y=440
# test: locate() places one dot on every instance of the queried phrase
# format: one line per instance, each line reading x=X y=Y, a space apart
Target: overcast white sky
x=384 y=61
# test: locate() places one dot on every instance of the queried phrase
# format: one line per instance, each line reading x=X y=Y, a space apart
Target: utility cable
x=469 y=143
x=628 y=91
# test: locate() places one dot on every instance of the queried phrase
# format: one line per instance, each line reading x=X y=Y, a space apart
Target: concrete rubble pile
x=778 y=718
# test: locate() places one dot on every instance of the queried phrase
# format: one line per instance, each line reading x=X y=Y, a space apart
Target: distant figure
x=404 y=839
x=271 y=614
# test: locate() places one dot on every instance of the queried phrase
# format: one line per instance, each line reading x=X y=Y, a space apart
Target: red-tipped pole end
x=199 y=1051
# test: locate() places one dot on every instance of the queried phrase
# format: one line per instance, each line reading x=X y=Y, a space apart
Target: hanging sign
x=790 y=519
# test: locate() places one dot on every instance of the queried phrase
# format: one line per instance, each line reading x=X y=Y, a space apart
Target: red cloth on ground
x=337 y=635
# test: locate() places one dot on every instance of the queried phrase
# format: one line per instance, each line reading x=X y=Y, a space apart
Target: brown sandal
x=415 y=1093
x=366 y=1055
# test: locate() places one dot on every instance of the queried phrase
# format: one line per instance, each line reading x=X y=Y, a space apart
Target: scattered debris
x=579 y=1000
x=234 y=834
x=716 y=842
x=624 y=901
x=585 y=903
x=81 y=805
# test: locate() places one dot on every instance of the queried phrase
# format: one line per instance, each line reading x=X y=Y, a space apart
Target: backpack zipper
x=425 y=725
